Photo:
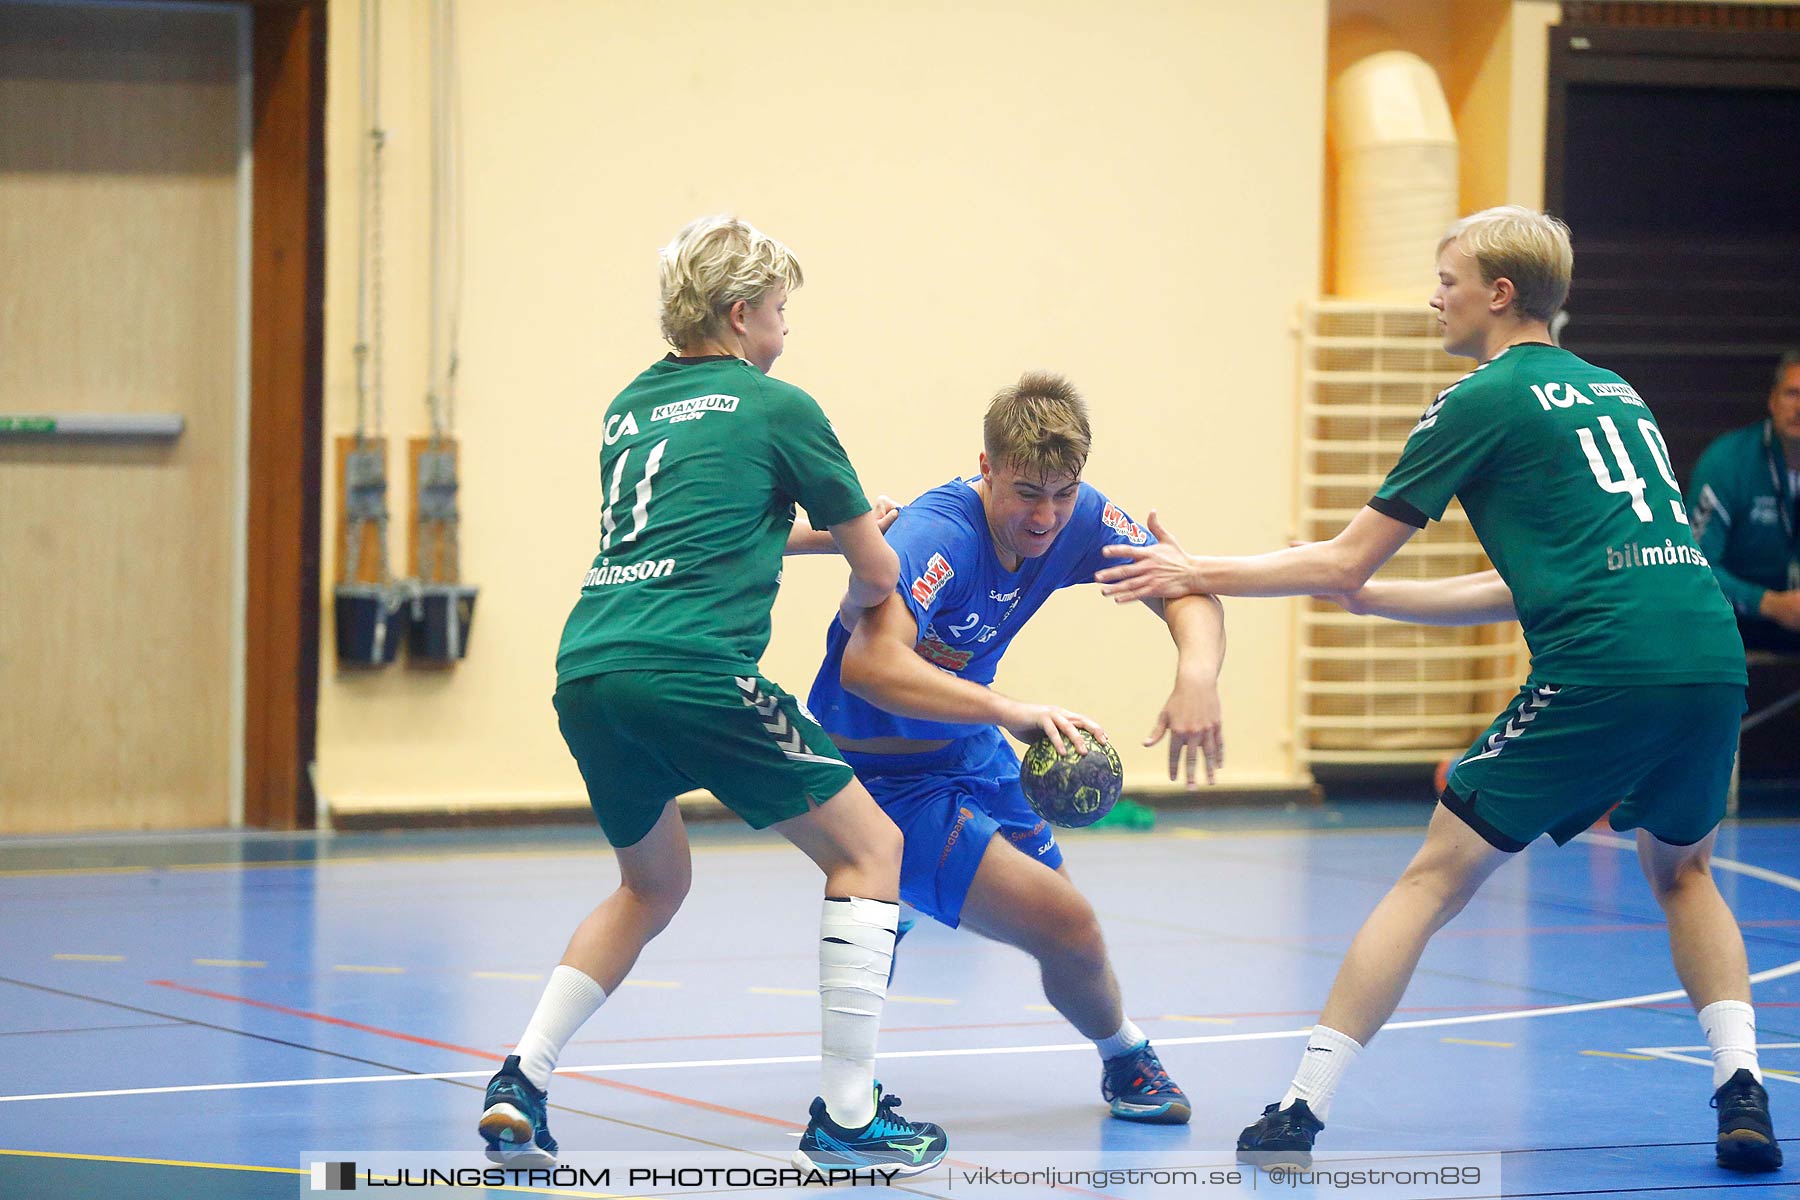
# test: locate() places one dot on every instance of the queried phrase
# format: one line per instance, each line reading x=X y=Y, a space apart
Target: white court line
x=1682 y=1054
x=1725 y=864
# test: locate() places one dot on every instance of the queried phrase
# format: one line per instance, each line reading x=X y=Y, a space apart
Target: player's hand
x=886 y=511
x=1192 y=717
x=1783 y=608
x=1160 y=570
x=1029 y=722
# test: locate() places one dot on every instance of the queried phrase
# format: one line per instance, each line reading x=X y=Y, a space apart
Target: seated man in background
x=1742 y=502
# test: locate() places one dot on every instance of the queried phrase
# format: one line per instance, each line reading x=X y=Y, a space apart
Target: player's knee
x=1069 y=930
x=659 y=899
x=879 y=848
x=1445 y=892
x=1672 y=880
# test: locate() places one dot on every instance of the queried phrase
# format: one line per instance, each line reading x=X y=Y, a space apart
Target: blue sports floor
x=206 y=1016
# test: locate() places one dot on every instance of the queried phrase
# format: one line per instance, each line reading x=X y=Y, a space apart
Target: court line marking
x=1687 y=1054
x=590 y=1072
x=154 y=1162
x=106 y=958
x=214 y=1166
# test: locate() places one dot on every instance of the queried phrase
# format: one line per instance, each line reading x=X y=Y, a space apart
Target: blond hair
x=712 y=264
x=1517 y=243
x=1038 y=427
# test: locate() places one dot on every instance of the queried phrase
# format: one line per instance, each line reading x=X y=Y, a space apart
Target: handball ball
x=1072 y=789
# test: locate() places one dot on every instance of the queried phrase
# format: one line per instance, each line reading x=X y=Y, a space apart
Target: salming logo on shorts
x=775 y=721
x=1500 y=739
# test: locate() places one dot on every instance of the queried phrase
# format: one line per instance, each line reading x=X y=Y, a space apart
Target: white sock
x=1328 y=1055
x=1730 y=1027
x=569 y=999
x=856 y=948
x=1129 y=1037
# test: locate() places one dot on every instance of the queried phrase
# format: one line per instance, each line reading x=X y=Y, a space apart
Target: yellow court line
x=369 y=970
x=213 y=1166
x=1475 y=1042
x=1616 y=1054
x=229 y=962
x=769 y=991
x=658 y=983
x=88 y=957
x=921 y=1000
x=1778 y=1071
x=1039 y=1008
x=155 y=1162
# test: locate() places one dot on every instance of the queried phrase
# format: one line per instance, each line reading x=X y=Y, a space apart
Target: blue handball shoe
x=889 y=1142
x=513 y=1120
x=1138 y=1089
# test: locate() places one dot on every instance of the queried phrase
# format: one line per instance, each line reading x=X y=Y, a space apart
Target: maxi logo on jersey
x=937 y=572
x=1114 y=518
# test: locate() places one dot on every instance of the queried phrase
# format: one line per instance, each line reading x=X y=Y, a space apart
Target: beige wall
x=1127 y=192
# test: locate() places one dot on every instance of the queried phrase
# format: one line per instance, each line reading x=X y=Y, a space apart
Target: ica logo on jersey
x=620 y=425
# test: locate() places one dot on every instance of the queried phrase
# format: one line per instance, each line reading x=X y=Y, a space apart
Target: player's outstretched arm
x=804 y=539
x=1192 y=716
x=1342 y=564
x=1478 y=599
x=874 y=567
x=880 y=666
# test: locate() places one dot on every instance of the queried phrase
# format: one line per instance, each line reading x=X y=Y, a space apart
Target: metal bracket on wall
x=95 y=425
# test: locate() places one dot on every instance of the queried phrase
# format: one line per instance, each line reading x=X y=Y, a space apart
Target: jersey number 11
x=640 y=511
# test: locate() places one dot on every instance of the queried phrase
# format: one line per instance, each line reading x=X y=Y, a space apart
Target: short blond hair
x=1038 y=427
x=1517 y=243
x=712 y=264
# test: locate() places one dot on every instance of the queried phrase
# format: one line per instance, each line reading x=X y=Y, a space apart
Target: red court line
x=487 y=1055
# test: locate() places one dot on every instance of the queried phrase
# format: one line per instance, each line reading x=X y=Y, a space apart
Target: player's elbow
x=1346 y=572
x=877 y=572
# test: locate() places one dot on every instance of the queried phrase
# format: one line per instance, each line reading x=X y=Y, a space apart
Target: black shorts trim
x=1400 y=510
x=1466 y=811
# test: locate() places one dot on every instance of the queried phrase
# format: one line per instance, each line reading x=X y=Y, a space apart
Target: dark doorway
x=1671 y=154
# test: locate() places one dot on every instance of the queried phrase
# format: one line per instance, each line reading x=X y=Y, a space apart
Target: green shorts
x=641 y=738
x=1559 y=758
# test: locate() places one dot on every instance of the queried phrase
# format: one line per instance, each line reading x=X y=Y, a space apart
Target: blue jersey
x=968 y=607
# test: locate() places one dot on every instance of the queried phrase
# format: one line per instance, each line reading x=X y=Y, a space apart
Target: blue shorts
x=949 y=804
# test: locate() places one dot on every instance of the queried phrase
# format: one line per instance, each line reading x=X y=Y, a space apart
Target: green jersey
x=1566 y=480
x=702 y=465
